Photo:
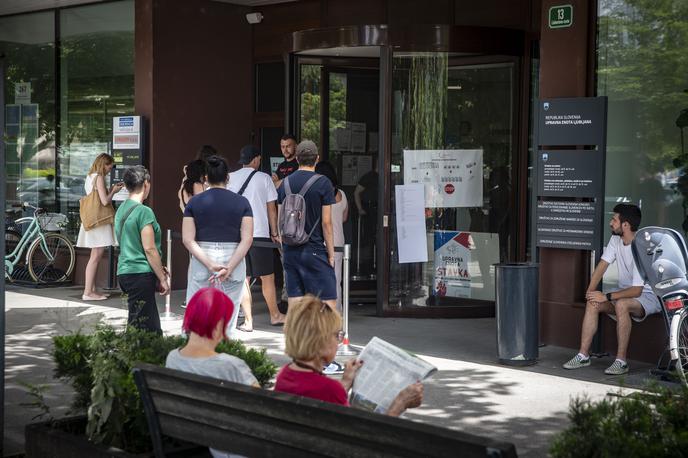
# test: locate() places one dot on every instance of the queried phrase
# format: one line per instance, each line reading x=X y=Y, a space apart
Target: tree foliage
x=643 y=65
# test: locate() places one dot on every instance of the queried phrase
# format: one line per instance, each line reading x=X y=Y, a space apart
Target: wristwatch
x=609 y=296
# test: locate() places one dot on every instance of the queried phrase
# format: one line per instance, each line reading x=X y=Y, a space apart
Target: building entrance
x=448 y=120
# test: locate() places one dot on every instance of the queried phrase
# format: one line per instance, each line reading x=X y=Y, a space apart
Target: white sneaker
x=333 y=368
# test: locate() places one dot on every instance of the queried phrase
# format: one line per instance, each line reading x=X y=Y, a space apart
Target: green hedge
x=98 y=366
x=652 y=423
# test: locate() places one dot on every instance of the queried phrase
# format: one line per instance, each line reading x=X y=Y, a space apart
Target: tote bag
x=92 y=211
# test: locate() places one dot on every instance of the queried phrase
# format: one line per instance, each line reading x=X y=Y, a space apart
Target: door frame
x=479 y=45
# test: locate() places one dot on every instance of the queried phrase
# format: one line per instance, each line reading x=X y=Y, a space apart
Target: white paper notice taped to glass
x=410 y=213
x=452 y=178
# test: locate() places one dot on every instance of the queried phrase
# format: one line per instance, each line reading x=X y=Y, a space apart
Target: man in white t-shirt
x=633 y=300
x=258 y=188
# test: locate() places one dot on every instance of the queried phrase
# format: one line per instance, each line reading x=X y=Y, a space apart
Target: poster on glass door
x=452 y=255
x=452 y=178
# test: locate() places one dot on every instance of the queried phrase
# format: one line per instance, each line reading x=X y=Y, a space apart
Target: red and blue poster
x=452 y=255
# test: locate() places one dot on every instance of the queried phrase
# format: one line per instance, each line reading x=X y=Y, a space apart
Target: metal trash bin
x=516 y=309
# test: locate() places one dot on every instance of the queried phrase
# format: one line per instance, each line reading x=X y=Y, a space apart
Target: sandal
x=242 y=327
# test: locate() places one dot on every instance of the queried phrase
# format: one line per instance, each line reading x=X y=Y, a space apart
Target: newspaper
x=386 y=371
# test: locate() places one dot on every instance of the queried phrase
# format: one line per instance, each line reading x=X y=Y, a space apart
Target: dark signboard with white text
x=570 y=182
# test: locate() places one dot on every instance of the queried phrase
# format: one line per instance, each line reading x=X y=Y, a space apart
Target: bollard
x=358 y=275
x=168 y=315
x=345 y=348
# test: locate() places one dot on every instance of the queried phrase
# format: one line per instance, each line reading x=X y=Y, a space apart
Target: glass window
x=448 y=119
x=642 y=69
x=28 y=44
x=309 y=109
x=96 y=83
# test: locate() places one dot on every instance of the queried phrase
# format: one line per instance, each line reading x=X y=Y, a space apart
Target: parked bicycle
x=662 y=260
x=49 y=256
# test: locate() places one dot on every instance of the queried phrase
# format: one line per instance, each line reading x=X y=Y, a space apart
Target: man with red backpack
x=305 y=224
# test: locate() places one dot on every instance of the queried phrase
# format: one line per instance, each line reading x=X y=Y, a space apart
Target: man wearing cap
x=309 y=268
x=258 y=189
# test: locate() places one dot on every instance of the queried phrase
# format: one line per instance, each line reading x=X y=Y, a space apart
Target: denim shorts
x=233 y=287
x=308 y=272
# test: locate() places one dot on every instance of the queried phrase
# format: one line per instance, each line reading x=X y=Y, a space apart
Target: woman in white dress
x=98 y=238
x=340 y=213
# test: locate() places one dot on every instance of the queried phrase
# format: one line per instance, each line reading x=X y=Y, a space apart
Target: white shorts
x=650 y=303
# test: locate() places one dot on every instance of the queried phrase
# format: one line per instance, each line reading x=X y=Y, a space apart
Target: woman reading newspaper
x=312 y=334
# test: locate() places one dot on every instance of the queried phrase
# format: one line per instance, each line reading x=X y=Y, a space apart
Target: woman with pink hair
x=208 y=313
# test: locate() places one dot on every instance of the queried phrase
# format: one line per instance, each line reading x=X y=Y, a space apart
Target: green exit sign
x=560 y=16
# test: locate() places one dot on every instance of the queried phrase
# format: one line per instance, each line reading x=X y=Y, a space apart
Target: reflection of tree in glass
x=642 y=60
x=310 y=102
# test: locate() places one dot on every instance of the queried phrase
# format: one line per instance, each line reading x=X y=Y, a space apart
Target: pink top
x=311 y=385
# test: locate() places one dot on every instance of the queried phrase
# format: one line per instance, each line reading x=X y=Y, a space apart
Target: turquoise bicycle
x=49 y=256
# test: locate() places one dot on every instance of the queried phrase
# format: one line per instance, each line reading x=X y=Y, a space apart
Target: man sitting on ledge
x=632 y=300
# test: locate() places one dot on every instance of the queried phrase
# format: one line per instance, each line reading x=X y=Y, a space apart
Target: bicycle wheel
x=682 y=347
x=56 y=264
x=12 y=239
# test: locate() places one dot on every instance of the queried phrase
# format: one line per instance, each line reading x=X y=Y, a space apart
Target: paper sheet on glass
x=358 y=136
x=410 y=209
x=452 y=178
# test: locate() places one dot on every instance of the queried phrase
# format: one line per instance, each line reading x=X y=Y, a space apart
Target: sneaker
x=618 y=367
x=577 y=362
x=333 y=368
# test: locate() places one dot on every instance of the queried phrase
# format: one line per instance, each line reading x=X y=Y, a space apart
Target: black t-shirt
x=321 y=193
x=369 y=183
x=217 y=214
x=286 y=168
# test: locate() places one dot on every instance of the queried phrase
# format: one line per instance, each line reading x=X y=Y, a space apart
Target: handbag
x=92 y=211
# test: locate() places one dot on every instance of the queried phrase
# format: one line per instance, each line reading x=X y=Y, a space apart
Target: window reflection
x=96 y=82
x=642 y=70
x=28 y=44
x=462 y=111
x=97 y=75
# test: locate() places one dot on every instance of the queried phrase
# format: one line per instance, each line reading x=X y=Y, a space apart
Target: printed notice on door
x=452 y=178
x=411 y=238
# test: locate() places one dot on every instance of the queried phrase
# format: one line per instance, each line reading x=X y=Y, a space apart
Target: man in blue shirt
x=309 y=268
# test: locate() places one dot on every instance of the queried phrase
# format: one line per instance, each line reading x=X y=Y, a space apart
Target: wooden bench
x=260 y=423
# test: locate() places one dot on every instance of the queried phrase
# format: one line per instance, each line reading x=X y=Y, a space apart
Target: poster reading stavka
x=452 y=178
x=452 y=255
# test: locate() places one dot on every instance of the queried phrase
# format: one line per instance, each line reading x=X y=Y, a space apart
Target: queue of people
x=230 y=227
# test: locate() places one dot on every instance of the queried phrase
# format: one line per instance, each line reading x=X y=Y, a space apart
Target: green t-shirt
x=132 y=257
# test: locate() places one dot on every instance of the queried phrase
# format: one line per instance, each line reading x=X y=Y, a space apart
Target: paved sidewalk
x=470 y=392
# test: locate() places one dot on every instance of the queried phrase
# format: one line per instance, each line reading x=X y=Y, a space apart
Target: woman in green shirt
x=140 y=265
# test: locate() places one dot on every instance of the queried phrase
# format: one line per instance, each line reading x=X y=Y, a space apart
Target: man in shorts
x=633 y=300
x=258 y=189
x=309 y=268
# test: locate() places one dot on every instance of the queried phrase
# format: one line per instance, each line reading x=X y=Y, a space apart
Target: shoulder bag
x=92 y=211
x=243 y=187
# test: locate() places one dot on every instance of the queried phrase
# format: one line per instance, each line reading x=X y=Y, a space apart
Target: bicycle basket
x=52 y=221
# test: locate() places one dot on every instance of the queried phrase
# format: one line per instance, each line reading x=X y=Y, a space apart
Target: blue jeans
x=233 y=287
